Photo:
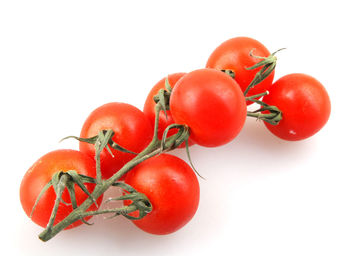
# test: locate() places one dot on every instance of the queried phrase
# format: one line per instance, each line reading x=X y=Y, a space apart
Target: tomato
x=149 y=107
x=41 y=173
x=234 y=54
x=173 y=190
x=132 y=128
x=304 y=103
x=211 y=103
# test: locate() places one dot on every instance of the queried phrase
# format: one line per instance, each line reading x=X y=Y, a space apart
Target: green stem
x=256 y=96
x=60 y=188
x=156 y=122
x=259 y=115
x=99 y=146
x=268 y=65
x=274 y=116
x=154 y=148
x=116 y=211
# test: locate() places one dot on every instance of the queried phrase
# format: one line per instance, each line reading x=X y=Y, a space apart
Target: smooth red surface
x=304 y=103
x=41 y=173
x=212 y=104
x=132 y=128
x=173 y=190
x=234 y=54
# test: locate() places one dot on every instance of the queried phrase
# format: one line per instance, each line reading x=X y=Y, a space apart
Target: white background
x=59 y=60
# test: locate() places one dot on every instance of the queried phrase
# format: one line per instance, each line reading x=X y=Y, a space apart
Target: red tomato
x=234 y=54
x=41 y=173
x=304 y=103
x=148 y=109
x=133 y=131
x=173 y=190
x=212 y=104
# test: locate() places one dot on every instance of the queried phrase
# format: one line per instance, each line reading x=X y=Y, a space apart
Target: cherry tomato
x=173 y=190
x=304 y=103
x=211 y=103
x=234 y=54
x=149 y=110
x=133 y=131
x=41 y=173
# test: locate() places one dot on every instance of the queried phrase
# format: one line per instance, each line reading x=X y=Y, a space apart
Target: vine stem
x=259 y=115
x=154 y=148
x=123 y=210
x=256 y=96
x=267 y=64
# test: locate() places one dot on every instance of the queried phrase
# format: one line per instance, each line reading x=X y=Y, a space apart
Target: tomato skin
x=234 y=54
x=148 y=109
x=173 y=190
x=133 y=131
x=212 y=104
x=304 y=103
x=41 y=173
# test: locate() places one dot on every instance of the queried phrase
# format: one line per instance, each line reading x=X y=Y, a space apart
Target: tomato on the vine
x=173 y=190
x=149 y=110
x=132 y=129
x=235 y=54
x=304 y=103
x=149 y=107
x=212 y=104
x=41 y=173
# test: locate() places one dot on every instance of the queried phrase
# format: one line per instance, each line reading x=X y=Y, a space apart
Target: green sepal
x=167 y=85
x=165 y=135
x=229 y=72
x=274 y=117
x=262 y=74
x=42 y=192
x=77 y=179
x=175 y=140
x=87 y=179
x=91 y=140
x=139 y=201
x=265 y=62
x=58 y=185
x=71 y=190
x=102 y=141
x=60 y=181
x=124 y=186
x=101 y=136
x=268 y=64
x=142 y=204
x=162 y=98
x=131 y=196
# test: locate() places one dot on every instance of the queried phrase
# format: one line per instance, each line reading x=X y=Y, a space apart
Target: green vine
x=139 y=201
x=267 y=113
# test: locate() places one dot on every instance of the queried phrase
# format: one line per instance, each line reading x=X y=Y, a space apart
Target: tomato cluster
x=207 y=107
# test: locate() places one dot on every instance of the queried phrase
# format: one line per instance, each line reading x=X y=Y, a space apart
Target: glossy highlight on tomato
x=212 y=104
x=234 y=54
x=304 y=103
x=41 y=173
x=132 y=128
x=173 y=190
